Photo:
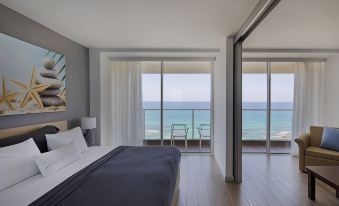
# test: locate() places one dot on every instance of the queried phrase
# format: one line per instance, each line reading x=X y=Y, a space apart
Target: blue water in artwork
x=254 y=119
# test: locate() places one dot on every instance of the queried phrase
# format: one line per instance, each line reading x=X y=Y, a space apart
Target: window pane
x=282 y=91
x=187 y=95
x=151 y=80
x=254 y=88
x=254 y=113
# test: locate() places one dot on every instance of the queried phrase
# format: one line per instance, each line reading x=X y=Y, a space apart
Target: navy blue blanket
x=127 y=176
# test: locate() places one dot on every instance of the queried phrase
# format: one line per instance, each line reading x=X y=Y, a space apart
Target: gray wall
x=77 y=74
x=95 y=103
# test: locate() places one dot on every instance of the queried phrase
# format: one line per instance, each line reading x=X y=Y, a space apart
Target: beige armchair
x=310 y=153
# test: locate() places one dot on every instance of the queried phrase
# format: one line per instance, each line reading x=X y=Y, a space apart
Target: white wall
x=220 y=109
x=99 y=59
x=331 y=91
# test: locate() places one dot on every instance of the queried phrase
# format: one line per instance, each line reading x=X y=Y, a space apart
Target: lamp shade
x=88 y=123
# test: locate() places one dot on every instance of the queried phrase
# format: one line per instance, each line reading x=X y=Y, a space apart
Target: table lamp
x=88 y=124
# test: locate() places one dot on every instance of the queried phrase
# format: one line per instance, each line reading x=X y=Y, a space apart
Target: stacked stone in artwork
x=49 y=97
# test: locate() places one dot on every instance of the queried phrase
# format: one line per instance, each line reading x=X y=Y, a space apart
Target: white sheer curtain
x=308 y=106
x=127 y=106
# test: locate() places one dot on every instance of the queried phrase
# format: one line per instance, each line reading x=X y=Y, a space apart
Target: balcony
x=187 y=129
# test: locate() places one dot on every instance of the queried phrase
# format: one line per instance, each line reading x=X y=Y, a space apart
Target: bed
x=123 y=176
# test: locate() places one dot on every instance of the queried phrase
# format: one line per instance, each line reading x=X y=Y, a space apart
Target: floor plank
x=267 y=180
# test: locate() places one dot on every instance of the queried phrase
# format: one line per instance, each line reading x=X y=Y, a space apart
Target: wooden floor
x=267 y=180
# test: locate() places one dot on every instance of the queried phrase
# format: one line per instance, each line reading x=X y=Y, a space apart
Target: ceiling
x=139 y=23
x=298 y=24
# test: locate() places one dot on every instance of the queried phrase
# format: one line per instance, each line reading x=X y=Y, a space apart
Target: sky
x=197 y=87
x=177 y=87
x=255 y=87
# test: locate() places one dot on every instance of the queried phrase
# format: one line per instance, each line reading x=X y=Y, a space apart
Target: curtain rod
x=288 y=50
x=160 y=50
x=162 y=58
x=284 y=59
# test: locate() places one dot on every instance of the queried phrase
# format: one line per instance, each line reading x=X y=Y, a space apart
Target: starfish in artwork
x=31 y=90
x=6 y=96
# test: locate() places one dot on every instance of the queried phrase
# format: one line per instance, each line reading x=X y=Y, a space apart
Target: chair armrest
x=303 y=140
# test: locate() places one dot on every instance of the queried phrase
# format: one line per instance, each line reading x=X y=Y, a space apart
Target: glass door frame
x=183 y=59
x=268 y=99
x=268 y=108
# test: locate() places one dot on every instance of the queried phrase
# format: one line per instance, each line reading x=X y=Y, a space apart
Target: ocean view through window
x=267 y=107
x=178 y=112
x=254 y=120
x=177 y=104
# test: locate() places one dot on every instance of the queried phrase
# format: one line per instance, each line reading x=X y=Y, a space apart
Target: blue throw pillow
x=330 y=139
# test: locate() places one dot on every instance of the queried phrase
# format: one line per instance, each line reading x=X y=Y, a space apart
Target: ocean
x=254 y=119
x=176 y=113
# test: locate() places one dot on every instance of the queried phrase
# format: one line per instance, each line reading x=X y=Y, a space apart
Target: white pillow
x=58 y=140
x=16 y=163
x=50 y=162
x=16 y=169
x=26 y=148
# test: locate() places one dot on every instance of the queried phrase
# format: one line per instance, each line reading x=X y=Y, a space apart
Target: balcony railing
x=254 y=124
x=193 y=118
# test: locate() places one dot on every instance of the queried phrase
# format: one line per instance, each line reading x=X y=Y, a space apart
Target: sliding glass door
x=254 y=106
x=282 y=91
x=177 y=104
x=267 y=106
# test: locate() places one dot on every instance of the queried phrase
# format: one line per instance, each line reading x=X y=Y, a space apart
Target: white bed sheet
x=31 y=189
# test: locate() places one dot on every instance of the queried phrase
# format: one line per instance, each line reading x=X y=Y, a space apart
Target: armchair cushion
x=316 y=134
x=323 y=153
x=330 y=139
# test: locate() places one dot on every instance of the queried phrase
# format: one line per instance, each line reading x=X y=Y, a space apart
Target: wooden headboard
x=62 y=125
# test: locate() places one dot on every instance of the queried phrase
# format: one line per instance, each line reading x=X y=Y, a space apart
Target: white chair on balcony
x=204 y=131
x=179 y=131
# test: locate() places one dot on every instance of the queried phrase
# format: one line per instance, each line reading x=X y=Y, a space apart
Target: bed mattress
x=123 y=176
